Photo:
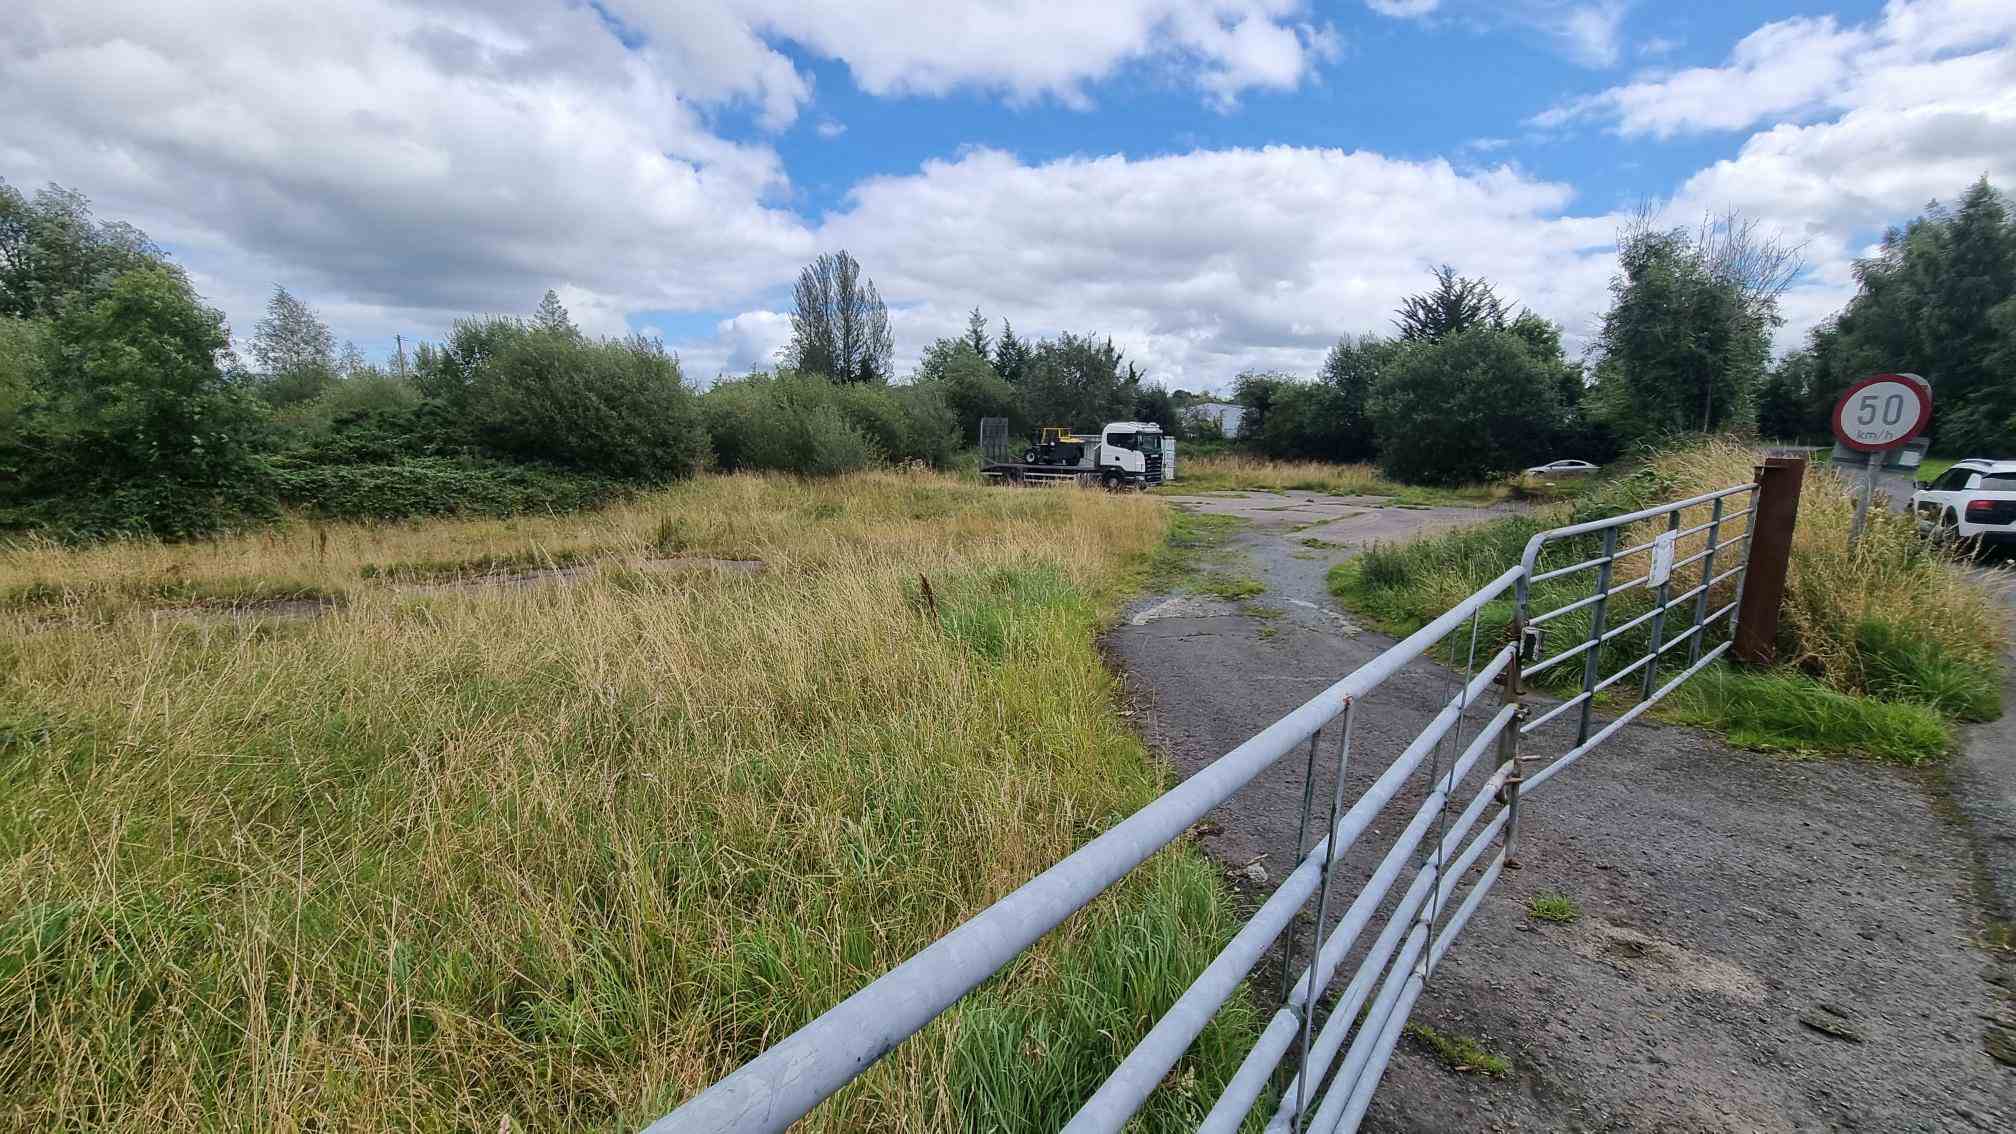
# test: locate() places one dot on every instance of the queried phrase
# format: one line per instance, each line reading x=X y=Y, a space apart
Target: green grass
x=1232 y=587
x=1243 y=473
x=1190 y=538
x=1459 y=1053
x=1549 y=905
x=557 y=857
x=1931 y=467
x=1784 y=711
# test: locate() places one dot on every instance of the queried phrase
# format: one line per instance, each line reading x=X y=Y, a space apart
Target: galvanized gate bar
x=1141 y=1072
x=1344 y=1013
x=1358 y=1058
x=1247 y=1083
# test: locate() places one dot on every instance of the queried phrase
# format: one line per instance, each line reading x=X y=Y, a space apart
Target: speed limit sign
x=1883 y=412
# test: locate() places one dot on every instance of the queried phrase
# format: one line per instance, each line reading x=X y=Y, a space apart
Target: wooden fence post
x=1778 y=480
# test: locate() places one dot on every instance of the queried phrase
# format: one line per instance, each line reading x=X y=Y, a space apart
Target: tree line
x=124 y=407
x=1938 y=299
x=1465 y=389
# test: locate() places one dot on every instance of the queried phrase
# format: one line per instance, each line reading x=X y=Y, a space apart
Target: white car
x=1975 y=500
x=1563 y=468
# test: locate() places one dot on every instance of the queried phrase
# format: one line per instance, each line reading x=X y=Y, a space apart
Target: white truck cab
x=1131 y=449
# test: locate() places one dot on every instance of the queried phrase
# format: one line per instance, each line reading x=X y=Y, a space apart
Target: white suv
x=1975 y=500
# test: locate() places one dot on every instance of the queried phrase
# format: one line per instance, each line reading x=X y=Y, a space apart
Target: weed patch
x=1548 y=905
x=1233 y=587
x=1459 y=1053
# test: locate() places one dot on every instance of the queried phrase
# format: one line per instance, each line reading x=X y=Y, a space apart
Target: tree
x=53 y=248
x=1077 y=382
x=840 y=327
x=1470 y=405
x=1153 y=403
x=1011 y=356
x=552 y=317
x=294 y=349
x=1454 y=304
x=968 y=386
x=139 y=430
x=1786 y=401
x=976 y=332
x=1351 y=368
x=350 y=361
x=616 y=407
x=1687 y=337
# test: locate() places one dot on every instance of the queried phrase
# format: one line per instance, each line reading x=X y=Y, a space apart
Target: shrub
x=436 y=486
x=614 y=408
x=786 y=422
x=1472 y=405
x=136 y=429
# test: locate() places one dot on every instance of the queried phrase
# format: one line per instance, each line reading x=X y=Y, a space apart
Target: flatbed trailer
x=1139 y=466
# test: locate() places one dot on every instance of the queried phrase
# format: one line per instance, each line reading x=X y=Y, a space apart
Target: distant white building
x=1225 y=415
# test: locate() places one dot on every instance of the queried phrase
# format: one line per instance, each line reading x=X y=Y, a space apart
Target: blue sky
x=1218 y=184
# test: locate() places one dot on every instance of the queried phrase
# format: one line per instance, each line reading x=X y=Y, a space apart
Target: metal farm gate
x=1636 y=603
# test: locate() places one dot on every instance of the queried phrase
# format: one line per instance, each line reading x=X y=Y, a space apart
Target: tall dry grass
x=1239 y=471
x=1893 y=592
x=556 y=857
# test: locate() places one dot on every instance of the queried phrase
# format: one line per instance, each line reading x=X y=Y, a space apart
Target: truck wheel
x=1110 y=480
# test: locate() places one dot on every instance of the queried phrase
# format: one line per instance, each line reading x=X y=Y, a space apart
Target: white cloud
x=1404 y=9
x=1591 y=33
x=1884 y=117
x=382 y=158
x=1204 y=264
x=1027 y=49
x=1802 y=66
x=830 y=129
x=740 y=344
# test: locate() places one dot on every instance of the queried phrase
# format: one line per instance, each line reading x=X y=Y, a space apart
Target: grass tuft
x=1232 y=587
x=1786 y=711
x=1549 y=905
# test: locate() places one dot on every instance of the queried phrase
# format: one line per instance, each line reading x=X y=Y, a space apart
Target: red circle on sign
x=1918 y=386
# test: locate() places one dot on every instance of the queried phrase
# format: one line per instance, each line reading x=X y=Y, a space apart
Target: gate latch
x=1531 y=640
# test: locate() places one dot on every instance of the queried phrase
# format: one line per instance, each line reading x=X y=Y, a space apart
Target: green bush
x=436 y=486
x=807 y=424
x=613 y=408
x=135 y=429
x=1467 y=407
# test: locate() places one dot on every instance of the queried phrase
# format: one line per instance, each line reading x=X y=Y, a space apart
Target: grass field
x=555 y=856
x=1881 y=650
x=1236 y=472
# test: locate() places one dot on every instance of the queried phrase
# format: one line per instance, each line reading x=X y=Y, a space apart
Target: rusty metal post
x=1776 y=511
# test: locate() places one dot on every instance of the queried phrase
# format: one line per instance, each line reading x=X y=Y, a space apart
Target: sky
x=1218 y=185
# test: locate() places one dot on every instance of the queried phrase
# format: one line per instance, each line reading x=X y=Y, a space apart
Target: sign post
x=1877 y=415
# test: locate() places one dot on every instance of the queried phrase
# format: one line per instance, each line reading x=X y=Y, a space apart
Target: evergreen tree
x=976 y=332
x=1456 y=303
x=1011 y=356
x=552 y=317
